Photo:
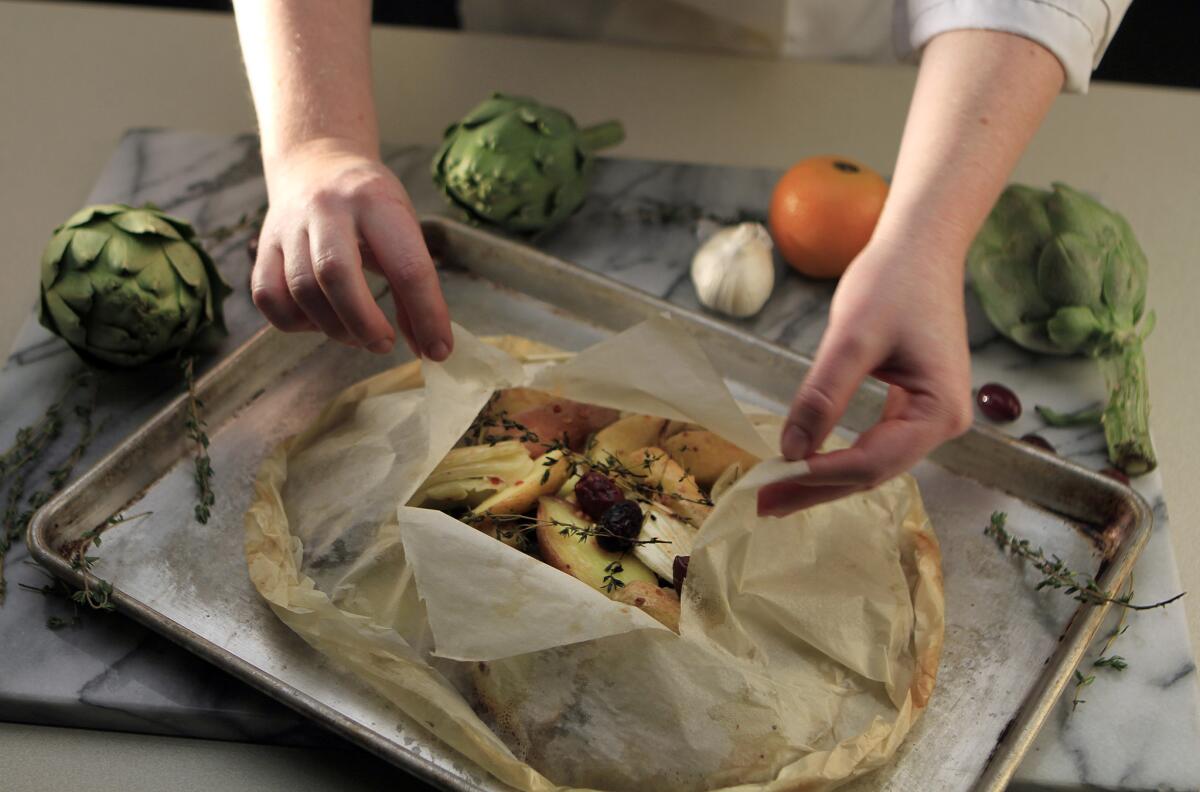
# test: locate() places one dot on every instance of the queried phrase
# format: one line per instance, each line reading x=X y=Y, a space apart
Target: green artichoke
x=517 y=164
x=124 y=286
x=1058 y=273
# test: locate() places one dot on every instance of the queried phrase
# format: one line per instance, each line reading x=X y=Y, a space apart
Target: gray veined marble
x=1139 y=729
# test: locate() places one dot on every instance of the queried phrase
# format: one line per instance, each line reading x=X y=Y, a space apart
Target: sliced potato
x=678 y=490
x=675 y=427
x=561 y=420
x=628 y=434
x=547 y=476
x=512 y=401
x=660 y=603
x=706 y=454
x=725 y=481
x=580 y=556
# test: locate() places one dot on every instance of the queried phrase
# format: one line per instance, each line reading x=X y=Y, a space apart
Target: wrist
x=921 y=250
x=277 y=157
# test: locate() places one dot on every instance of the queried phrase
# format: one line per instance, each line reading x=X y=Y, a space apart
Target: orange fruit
x=823 y=211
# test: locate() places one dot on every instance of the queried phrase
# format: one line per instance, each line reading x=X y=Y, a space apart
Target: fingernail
x=380 y=347
x=795 y=442
x=438 y=350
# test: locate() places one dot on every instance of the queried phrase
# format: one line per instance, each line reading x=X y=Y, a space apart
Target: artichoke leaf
x=1130 y=251
x=105 y=337
x=76 y=290
x=187 y=263
x=140 y=221
x=128 y=254
x=65 y=322
x=158 y=277
x=86 y=245
x=1125 y=276
x=1033 y=336
x=1073 y=328
x=53 y=255
x=1072 y=211
x=85 y=215
x=1070 y=271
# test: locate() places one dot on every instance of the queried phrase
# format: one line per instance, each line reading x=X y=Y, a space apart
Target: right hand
x=335 y=208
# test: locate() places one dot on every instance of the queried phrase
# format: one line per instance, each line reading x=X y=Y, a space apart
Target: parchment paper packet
x=808 y=647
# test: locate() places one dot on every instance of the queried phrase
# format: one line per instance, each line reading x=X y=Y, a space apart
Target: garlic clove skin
x=733 y=272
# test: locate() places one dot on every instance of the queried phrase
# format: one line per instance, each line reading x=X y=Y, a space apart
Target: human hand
x=335 y=208
x=897 y=314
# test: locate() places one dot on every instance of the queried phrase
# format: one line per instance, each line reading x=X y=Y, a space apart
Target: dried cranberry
x=1039 y=441
x=1118 y=475
x=619 y=526
x=679 y=569
x=998 y=402
x=596 y=492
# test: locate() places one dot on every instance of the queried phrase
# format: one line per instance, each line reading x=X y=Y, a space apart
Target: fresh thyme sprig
x=1081 y=587
x=247 y=221
x=19 y=462
x=196 y=431
x=636 y=482
x=1081 y=681
x=610 y=580
x=1057 y=575
x=1104 y=660
x=521 y=523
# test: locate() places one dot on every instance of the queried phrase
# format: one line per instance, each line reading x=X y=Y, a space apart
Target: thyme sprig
x=196 y=432
x=1081 y=587
x=633 y=480
x=245 y=222
x=19 y=462
x=1057 y=575
x=610 y=580
x=515 y=524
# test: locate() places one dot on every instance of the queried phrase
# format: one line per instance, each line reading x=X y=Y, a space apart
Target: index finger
x=399 y=248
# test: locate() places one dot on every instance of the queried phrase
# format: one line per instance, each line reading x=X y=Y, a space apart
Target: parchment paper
x=808 y=644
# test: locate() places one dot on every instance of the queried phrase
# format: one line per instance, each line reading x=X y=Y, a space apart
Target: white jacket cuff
x=1076 y=31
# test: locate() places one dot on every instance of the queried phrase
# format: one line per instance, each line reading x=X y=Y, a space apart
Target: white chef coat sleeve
x=1076 y=31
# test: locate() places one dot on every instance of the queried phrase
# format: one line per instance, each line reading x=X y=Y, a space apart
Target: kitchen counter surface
x=190 y=76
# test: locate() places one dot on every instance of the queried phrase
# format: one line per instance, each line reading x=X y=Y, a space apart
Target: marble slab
x=1139 y=729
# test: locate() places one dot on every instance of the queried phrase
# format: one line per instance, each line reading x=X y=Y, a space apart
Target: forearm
x=980 y=97
x=309 y=67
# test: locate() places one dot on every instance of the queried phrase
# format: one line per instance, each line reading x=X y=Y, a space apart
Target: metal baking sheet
x=1009 y=650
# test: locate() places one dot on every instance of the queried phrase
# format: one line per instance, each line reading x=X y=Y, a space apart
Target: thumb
x=843 y=361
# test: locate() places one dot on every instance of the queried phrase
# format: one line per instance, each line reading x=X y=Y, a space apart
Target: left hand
x=898 y=315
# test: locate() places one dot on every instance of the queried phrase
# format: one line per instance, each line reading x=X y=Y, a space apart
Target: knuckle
x=329 y=268
x=849 y=346
x=957 y=416
x=324 y=200
x=303 y=286
x=265 y=299
x=376 y=188
x=409 y=269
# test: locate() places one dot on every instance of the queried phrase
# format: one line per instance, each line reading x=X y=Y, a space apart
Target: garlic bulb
x=733 y=272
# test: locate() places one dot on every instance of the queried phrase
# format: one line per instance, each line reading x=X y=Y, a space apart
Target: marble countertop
x=1139 y=729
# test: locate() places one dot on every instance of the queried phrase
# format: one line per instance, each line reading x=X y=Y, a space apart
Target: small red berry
x=1039 y=441
x=998 y=402
x=619 y=527
x=596 y=493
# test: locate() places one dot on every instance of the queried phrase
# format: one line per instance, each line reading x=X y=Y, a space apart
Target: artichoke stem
x=610 y=133
x=1126 y=419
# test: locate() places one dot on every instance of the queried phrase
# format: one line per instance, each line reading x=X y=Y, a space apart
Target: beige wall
x=73 y=82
